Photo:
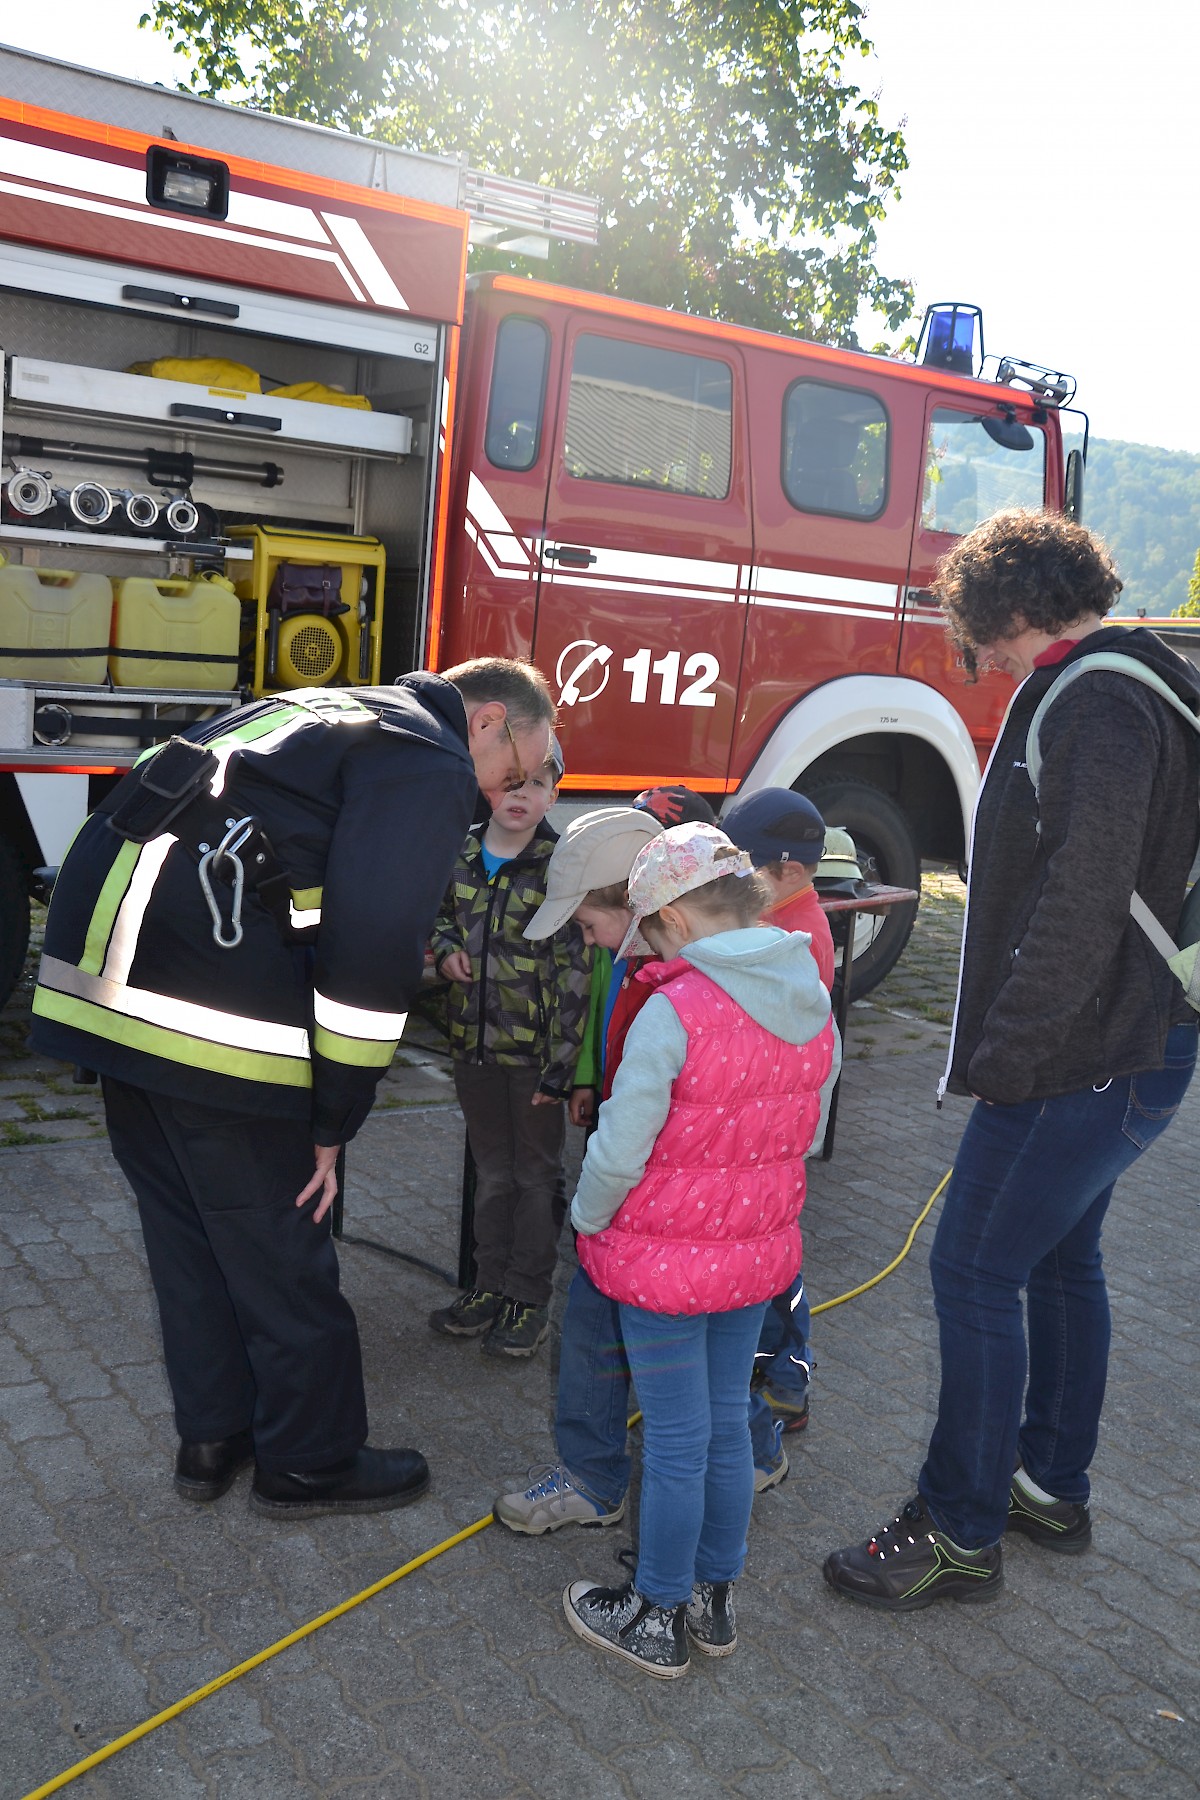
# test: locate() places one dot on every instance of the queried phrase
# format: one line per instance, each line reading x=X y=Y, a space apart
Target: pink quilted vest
x=712 y=1224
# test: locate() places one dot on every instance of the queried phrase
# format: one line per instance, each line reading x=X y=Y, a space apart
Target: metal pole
x=339 y=1204
x=848 y=920
x=466 y=1229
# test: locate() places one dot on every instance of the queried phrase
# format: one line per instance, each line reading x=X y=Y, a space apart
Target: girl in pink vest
x=687 y=1217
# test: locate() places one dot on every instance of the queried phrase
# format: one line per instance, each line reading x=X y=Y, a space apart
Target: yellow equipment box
x=310 y=648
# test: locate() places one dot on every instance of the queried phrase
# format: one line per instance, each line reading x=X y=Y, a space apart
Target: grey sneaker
x=1062 y=1525
x=711 y=1620
x=518 y=1330
x=632 y=1627
x=769 y=1474
x=470 y=1315
x=552 y=1502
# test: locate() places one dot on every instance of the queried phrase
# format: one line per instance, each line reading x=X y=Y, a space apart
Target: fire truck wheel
x=14 y=919
x=887 y=852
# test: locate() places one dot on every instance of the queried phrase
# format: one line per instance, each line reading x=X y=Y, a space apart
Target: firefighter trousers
x=256 y=1333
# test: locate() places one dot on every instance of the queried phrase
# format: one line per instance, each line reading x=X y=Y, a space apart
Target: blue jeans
x=593 y=1398
x=1024 y=1209
x=784 y=1358
x=692 y=1372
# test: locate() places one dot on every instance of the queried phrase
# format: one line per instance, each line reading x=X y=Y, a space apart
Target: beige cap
x=597 y=849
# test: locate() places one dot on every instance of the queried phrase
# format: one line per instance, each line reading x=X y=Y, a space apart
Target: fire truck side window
x=834 y=450
x=969 y=475
x=651 y=418
x=515 y=404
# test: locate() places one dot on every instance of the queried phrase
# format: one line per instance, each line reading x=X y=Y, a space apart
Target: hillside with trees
x=1145 y=503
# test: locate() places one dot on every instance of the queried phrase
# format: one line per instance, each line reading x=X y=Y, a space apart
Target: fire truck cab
x=718 y=544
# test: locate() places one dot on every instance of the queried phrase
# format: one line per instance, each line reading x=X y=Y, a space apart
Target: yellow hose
x=920 y=1219
x=252 y=1662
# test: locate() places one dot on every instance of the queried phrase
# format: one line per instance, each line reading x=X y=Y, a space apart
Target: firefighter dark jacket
x=365 y=796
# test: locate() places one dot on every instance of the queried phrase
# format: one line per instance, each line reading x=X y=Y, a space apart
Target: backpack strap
x=1184 y=963
x=1115 y=664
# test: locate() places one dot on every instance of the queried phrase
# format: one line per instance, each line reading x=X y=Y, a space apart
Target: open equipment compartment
x=74 y=413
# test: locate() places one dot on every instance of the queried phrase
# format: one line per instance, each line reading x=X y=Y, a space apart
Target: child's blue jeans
x=692 y=1372
x=593 y=1398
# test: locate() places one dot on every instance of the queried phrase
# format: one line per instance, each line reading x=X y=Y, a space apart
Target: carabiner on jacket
x=227 y=851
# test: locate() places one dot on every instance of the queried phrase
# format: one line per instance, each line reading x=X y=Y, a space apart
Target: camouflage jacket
x=527 y=1002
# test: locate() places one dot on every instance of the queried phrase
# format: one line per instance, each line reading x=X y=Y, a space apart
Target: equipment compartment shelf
x=106 y=540
x=70 y=389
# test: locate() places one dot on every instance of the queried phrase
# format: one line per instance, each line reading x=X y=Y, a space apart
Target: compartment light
x=190 y=184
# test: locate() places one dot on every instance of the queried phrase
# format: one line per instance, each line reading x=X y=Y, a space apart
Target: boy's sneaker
x=623 y=1621
x=552 y=1502
x=769 y=1474
x=518 y=1330
x=469 y=1316
x=910 y=1563
x=788 y=1405
x=711 y=1621
x=1062 y=1525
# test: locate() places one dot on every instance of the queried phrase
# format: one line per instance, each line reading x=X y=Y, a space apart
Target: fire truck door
x=644 y=564
x=966 y=475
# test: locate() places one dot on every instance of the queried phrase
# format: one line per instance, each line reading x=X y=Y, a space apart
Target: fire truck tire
x=884 y=839
x=14 y=919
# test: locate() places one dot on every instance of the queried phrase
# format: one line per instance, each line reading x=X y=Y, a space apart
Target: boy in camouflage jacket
x=517 y=1012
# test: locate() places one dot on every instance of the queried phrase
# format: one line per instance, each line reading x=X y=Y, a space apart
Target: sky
x=1052 y=159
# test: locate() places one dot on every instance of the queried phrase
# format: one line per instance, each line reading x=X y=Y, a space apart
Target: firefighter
x=233 y=942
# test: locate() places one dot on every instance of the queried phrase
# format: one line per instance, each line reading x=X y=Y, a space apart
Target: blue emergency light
x=947 y=338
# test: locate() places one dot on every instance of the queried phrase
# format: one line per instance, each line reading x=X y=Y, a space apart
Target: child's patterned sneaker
x=552 y=1502
x=625 y=1622
x=910 y=1564
x=518 y=1330
x=1062 y=1525
x=711 y=1621
x=470 y=1315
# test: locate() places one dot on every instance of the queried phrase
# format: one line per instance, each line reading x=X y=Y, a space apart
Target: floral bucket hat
x=671 y=865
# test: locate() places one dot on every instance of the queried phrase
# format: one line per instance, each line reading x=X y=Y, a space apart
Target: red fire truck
x=260 y=431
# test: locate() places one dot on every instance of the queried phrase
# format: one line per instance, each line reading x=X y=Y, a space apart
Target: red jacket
x=802 y=912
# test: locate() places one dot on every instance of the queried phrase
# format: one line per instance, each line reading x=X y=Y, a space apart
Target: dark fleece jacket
x=1059 y=988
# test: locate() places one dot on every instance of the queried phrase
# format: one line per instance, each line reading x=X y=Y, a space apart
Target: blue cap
x=776 y=825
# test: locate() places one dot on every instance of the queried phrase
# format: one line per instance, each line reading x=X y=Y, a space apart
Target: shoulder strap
x=1115 y=664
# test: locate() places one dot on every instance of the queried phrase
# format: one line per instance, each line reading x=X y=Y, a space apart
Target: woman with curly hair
x=1072 y=1037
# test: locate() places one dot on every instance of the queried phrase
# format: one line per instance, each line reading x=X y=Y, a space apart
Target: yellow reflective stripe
x=116 y=883
x=172 y=1046
x=352 y=1050
x=304 y=899
x=357 y=1021
x=234 y=1029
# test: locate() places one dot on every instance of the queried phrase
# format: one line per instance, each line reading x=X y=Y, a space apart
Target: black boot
x=369 y=1481
x=206 y=1471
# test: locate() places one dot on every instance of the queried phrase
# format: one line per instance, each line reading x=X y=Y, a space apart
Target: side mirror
x=1073 y=488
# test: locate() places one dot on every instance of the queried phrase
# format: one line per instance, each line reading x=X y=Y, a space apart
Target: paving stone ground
x=1082 y=1679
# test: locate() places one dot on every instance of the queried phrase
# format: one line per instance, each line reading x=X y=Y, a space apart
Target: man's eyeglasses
x=518 y=778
